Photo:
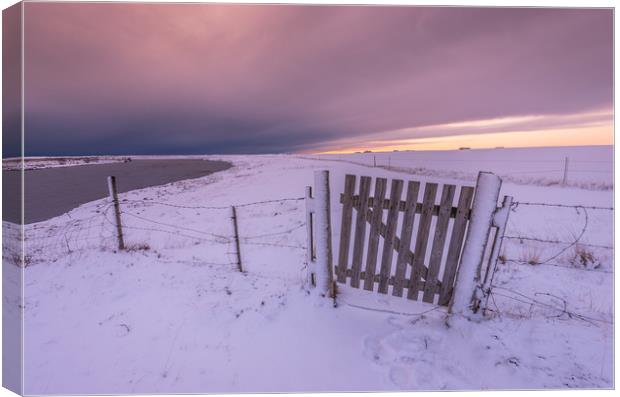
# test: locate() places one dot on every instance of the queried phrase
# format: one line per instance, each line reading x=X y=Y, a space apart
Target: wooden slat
x=441 y=230
x=401 y=206
x=390 y=233
x=345 y=228
x=456 y=243
x=360 y=231
x=391 y=280
x=430 y=191
x=396 y=243
x=373 y=239
x=405 y=238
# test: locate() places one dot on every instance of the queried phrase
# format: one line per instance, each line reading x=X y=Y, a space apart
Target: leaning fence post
x=324 y=265
x=310 y=235
x=500 y=219
x=466 y=299
x=236 y=236
x=117 y=211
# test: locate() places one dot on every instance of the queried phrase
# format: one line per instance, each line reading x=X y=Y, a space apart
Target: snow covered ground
x=590 y=167
x=173 y=314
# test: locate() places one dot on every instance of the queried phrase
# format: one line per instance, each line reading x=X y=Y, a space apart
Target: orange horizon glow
x=584 y=132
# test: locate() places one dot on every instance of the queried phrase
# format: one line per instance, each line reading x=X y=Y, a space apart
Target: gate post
x=322 y=258
x=466 y=299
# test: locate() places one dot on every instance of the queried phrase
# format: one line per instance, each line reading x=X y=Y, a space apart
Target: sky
x=108 y=78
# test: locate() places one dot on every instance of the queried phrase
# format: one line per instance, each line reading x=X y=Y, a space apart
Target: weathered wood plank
x=456 y=244
x=391 y=280
x=390 y=234
x=404 y=252
x=430 y=191
x=345 y=228
x=373 y=239
x=360 y=231
x=441 y=230
x=396 y=243
x=401 y=206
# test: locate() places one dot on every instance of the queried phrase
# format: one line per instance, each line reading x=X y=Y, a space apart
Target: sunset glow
x=592 y=128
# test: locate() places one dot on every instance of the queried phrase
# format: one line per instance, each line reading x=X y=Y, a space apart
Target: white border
x=477 y=3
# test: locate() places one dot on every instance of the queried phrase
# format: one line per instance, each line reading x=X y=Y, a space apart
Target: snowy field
x=173 y=315
x=590 y=168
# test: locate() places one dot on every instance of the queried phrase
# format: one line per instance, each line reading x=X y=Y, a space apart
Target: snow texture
x=172 y=314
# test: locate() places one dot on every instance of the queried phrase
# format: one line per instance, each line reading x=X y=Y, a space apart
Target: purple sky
x=181 y=78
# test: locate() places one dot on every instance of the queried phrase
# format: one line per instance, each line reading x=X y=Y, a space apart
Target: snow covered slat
x=345 y=228
x=391 y=280
x=390 y=234
x=456 y=242
x=401 y=206
x=405 y=238
x=373 y=239
x=360 y=231
x=430 y=191
x=441 y=230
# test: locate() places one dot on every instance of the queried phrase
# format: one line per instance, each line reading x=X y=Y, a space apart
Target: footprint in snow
x=408 y=355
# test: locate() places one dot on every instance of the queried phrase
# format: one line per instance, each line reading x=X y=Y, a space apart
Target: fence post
x=236 y=236
x=500 y=219
x=117 y=211
x=324 y=267
x=565 y=178
x=466 y=298
x=310 y=235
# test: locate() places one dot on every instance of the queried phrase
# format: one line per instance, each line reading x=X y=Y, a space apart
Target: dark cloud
x=192 y=78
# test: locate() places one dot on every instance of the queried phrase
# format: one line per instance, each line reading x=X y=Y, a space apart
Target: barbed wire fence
x=97 y=231
x=551 y=305
x=563 y=246
x=546 y=172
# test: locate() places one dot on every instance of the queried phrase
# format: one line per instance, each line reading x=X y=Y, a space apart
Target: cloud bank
x=197 y=78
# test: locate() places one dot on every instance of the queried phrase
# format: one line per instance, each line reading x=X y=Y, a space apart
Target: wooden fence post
x=117 y=211
x=565 y=177
x=236 y=236
x=321 y=206
x=467 y=290
x=500 y=219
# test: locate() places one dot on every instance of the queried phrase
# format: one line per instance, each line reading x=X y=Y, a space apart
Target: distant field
x=588 y=166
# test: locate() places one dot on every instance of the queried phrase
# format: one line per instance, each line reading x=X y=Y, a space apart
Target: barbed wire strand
x=546 y=305
x=516 y=204
x=213 y=207
x=540 y=240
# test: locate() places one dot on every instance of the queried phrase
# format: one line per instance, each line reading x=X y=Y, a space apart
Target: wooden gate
x=436 y=231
